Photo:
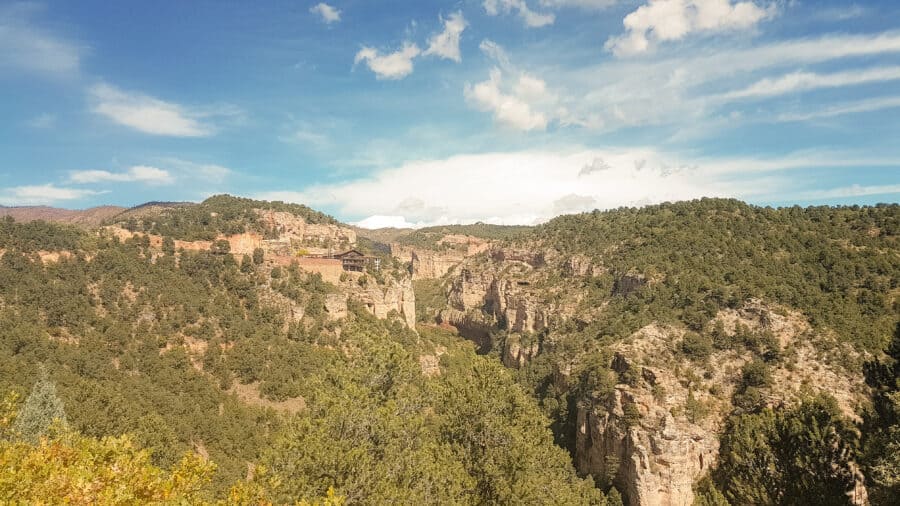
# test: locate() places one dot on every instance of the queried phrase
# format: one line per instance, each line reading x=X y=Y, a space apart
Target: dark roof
x=351 y=253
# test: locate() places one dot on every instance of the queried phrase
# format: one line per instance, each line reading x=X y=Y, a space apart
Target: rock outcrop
x=381 y=300
x=427 y=263
x=297 y=231
x=657 y=435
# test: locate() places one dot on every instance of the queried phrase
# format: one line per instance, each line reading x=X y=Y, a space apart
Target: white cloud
x=396 y=65
x=531 y=18
x=666 y=20
x=521 y=100
x=529 y=187
x=803 y=81
x=47 y=194
x=686 y=87
x=328 y=13
x=509 y=109
x=150 y=115
x=446 y=43
x=136 y=174
x=847 y=192
x=25 y=47
x=842 y=13
x=868 y=105
x=374 y=222
x=203 y=172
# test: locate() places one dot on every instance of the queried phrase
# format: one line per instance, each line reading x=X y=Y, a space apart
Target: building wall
x=329 y=268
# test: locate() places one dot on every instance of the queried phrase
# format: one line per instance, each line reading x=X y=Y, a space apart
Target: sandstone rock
x=336 y=305
x=516 y=354
x=381 y=300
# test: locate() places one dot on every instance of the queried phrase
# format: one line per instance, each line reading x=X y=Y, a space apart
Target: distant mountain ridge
x=83 y=217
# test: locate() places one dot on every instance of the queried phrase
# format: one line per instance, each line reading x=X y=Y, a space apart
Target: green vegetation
x=220 y=214
x=429 y=237
x=197 y=353
x=42 y=410
x=838 y=265
x=431 y=297
x=800 y=455
x=881 y=428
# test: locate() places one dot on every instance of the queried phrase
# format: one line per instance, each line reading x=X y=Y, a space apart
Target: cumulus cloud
x=804 y=81
x=150 y=115
x=509 y=109
x=667 y=20
x=521 y=100
x=446 y=43
x=46 y=194
x=326 y=12
x=374 y=222
x=531 y=18
x=137 y=174
x=396 y=65
x=573 y=203
x=26 y=47
x=515 y=188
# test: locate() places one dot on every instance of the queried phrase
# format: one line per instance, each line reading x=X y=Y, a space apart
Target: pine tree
x=614 y=498
x=42 y=408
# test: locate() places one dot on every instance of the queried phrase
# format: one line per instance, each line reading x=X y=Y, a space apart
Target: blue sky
x=508 y=111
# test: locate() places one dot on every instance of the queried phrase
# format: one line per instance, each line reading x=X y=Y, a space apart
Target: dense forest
x=682 y=264
x=217 y=215
x=145 y=350
x=183 y=367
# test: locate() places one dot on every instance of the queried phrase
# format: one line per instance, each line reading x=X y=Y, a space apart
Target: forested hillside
x=703 y=323
x=184 y=353
x=708 y=352
x=220 y=214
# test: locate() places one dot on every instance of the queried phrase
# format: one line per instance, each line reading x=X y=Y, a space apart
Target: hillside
x=248 y=361
x=661 y=355
x=88 y=217
x=639 y=328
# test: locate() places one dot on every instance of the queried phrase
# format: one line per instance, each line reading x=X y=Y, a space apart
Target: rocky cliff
x=435 y=262
x=657 y=434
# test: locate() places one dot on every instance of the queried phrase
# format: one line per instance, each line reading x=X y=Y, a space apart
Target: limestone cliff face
x=640 y=437
x=656 y=435
x=427 y=263
x=681 y=406
x=292 y=227
x=510 y=304
x=380 y=300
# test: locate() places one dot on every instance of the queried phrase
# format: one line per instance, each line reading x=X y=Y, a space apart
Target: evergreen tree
x=882 y=426
x=42 y=408
x=801 y=455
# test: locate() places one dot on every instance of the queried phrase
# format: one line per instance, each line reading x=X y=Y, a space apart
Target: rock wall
x=381 y=300
x=329 y=268
x=655 y=436
x=426 y=263
x=295 y=227
x=506 y=303
x=657 y=458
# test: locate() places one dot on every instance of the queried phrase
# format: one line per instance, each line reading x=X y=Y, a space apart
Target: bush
x=697 y=346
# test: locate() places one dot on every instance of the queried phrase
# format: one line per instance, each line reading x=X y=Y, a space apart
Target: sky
x=414 y=113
